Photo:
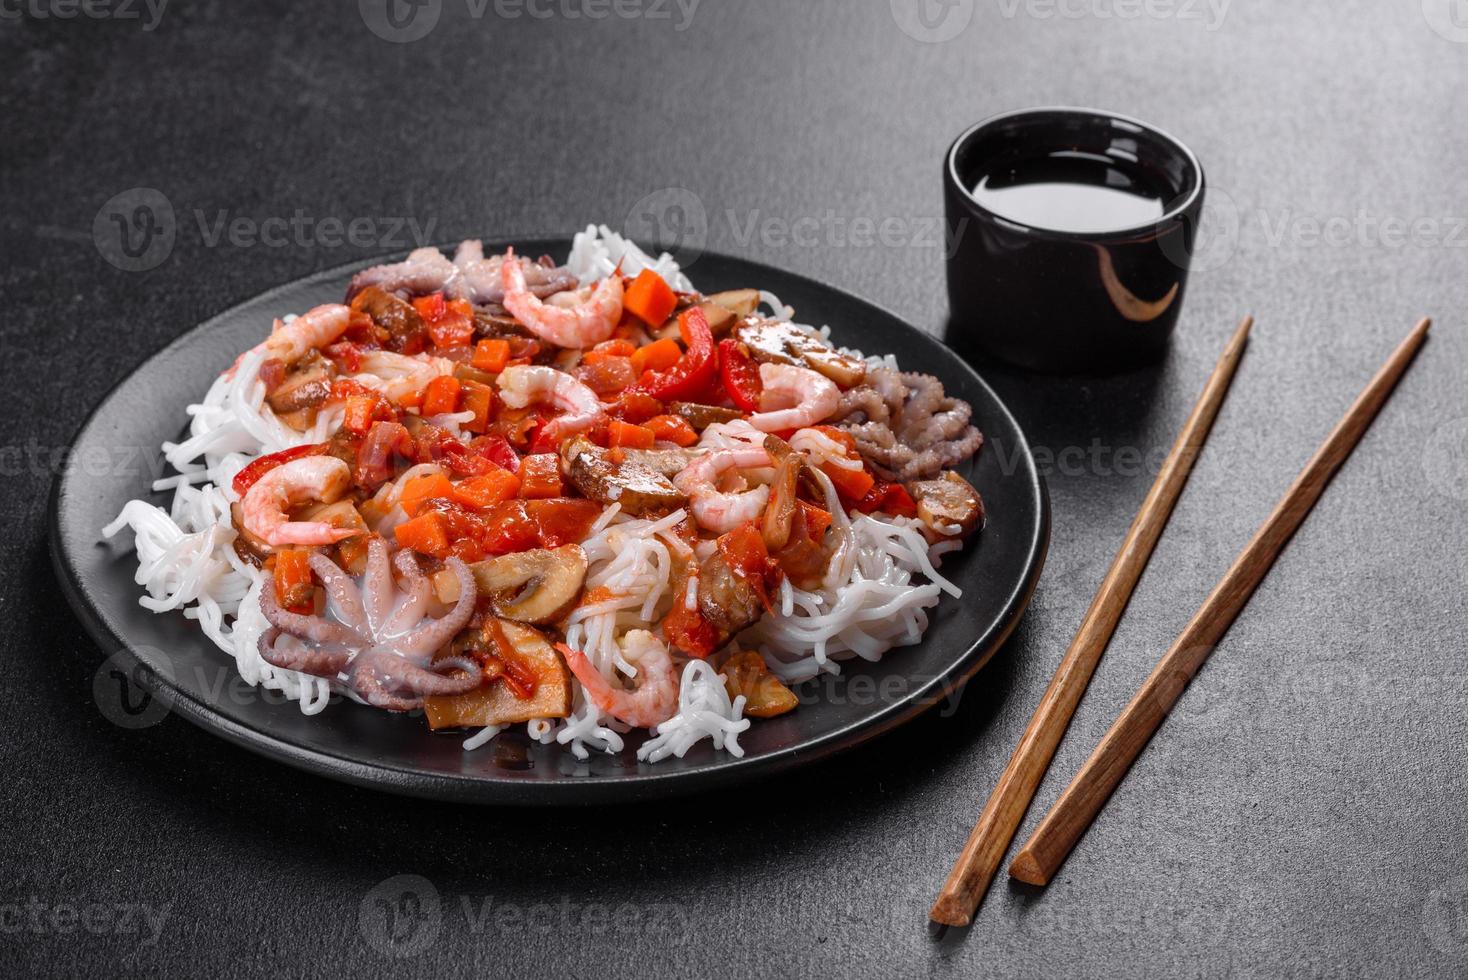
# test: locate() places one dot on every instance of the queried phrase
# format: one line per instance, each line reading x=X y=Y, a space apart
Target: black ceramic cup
x=1052 y=300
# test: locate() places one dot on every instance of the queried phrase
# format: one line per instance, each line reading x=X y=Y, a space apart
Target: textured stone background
x=1303 y=812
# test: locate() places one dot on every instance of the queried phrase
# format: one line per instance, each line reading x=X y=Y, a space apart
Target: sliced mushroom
x=740 y=302
x=668 y=462
x=780 y=511
x=512 y=653
x=703 y=416
x=726 y=598
x=948 y=505
x=392 y=313
x=765 y=694
x=722 y=310
x=536 y=586
x=609 y=479
x=301 y=390
x=784 y=343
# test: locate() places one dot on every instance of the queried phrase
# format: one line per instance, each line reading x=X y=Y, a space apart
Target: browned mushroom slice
x=726 y=598
x=765 y=694
x=740 y=302
x=392 y=313
x=948 y=505
x=537 y=586
x=703 y=416
x=668 y=462
x=301 y=389
x=614 y=479
x=513 y=653
x=784 y=343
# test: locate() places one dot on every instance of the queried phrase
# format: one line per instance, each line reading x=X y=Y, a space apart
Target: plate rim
x=488 y=789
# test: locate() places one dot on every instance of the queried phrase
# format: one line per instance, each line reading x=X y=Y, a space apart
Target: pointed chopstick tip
x=949 y=911
x=1026 y=869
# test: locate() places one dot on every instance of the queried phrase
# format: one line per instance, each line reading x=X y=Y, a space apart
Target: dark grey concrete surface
x=1302 y=814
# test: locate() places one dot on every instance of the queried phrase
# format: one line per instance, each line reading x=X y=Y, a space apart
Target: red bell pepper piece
x=694 y=372
x=245 y=478
x=740 y=375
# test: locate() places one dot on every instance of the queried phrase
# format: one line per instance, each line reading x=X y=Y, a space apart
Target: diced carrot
x=441 y=396
x=424 y=488
x=540 y=476
x=430 y=307
x=412 y=399
x=479 y=399
x=650 y=299
x=294 y=589
x=636 y=407
x=480 y=492
x=657 y=356
x=359 y=412
x=816 y=519
x=630 y=436
x=424 y=534
x=851 y=484
x=491 y=355
x=672 y=428
x=609 y=348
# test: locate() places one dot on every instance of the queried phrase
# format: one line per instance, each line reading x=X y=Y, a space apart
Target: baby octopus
x=378 y=635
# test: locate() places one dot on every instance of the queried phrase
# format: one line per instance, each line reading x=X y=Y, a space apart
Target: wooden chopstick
x=1088 y=792
x=991 y=837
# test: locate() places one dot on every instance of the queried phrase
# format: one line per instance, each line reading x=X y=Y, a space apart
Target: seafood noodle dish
x=585 y=499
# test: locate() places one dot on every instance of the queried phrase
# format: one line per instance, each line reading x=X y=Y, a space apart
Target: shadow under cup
x=1053 y=300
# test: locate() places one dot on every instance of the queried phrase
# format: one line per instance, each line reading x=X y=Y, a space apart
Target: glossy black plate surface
x=189 y=675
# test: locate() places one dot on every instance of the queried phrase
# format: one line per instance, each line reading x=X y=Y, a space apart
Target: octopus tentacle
x=408 y=613
x=320 y=631
x=377 y=586
x=345 y=595
x=386 y=680
x=423 y=641
x=307 y=660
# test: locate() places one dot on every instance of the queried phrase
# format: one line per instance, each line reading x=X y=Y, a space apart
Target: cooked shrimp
x=794 y=397
x=524 y=384
x=588 y=322
x=311 y=478
x=655 y=699
x=289 y=342
x=398 y=376
x=723 y=510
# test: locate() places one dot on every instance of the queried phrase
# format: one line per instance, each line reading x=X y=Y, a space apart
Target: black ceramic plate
x=351 y=742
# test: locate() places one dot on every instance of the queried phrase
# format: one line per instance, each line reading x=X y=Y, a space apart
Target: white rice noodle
x=598 y=251
x=704 y=711
x=632 y=560
x=875 y=606
x=823 y=449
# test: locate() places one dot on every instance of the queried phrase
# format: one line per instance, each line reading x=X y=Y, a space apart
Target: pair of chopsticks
x=1092 y=786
